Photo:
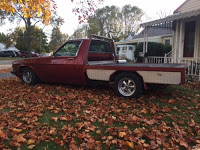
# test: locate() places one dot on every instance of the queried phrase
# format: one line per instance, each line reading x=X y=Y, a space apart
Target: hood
x=34 y=60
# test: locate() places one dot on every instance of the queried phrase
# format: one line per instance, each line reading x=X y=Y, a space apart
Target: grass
x=167 y=113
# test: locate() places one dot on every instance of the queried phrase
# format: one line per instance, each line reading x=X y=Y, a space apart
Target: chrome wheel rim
x=126 y=87
x=27 y=76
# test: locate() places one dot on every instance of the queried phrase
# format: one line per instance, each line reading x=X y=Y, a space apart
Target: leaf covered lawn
x=75 y=117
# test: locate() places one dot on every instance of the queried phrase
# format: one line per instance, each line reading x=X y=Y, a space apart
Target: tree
x=85 y=8
x=38 y=39
x=81 y=32
x=130 y=18
x=106 y=22
x=31 y=12
x=57 y=39
x=114 y=22
x=41 y=10
x=5 y=39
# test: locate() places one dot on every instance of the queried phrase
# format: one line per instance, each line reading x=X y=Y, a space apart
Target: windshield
x=69 y=49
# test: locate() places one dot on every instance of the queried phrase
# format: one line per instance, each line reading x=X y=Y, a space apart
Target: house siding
x=178 y=41
x=189 y=5
x=198 y=38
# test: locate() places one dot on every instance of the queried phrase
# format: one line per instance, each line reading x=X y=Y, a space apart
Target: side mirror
x=121 y=61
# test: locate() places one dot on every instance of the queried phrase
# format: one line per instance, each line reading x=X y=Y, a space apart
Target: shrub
x=154 y=49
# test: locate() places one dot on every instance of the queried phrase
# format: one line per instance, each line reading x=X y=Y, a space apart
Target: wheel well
x=22 y=68
x=113 y=76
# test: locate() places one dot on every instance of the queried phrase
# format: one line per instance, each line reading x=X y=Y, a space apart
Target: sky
x=152 y=9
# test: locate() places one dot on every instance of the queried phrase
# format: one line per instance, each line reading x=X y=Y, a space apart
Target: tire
x=128 y=85
x=29 y=77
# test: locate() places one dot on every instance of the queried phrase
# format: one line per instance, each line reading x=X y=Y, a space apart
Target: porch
x=186 y=40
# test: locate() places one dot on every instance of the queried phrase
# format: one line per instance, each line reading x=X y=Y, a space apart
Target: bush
x=154 y=49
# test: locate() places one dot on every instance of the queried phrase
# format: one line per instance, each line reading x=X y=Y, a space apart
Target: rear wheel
x=128 y=85
x=29 y=77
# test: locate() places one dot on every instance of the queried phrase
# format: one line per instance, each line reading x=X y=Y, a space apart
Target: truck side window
x=99 y=47
x=69 y=49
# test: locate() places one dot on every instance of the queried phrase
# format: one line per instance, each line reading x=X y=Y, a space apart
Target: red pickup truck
x=85 y=61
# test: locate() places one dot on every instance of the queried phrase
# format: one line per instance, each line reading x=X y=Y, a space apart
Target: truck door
x=60 y=67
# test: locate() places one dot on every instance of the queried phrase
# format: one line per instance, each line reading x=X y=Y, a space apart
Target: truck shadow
x=107 y=90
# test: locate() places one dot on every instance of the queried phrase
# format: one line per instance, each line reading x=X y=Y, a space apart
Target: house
x=2 y=47
x=127 y=47
x=11 y=48
x=185 y=23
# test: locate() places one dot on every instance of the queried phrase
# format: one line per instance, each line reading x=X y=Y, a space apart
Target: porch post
x=147 y=40
x=197 y=38
x=144 y=43
x=181 y=42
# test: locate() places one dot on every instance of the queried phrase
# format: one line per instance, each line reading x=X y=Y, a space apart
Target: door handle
x=70 y=59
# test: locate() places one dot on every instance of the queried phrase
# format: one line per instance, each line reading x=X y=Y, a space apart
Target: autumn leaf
x=2 y=135
x=183 y=143
x=15 y=144
x=122 y=134
x=171 y=101
x=31 y=146
x=143 y=111
x=110 y=137
x=135 y=118
x=31 y=141
x=53 y=131
x=17 y=130
x=130 y=144
x=19 y=138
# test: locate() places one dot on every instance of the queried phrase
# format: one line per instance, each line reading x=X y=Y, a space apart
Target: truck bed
x=151 y=73
x=111 y=64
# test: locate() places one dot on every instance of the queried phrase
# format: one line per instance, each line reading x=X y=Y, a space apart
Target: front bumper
x=13 y=72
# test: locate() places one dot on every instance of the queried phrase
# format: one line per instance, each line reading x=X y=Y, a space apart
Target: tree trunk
x=29 y=36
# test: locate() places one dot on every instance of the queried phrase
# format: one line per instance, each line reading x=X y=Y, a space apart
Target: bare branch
x=25 y=21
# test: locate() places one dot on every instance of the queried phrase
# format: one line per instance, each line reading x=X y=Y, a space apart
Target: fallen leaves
x=31 y=141
x=5 y=70
x=93 y=118
x=17 y=130
x=183 y=143
x=122 y=134
x=2 y=135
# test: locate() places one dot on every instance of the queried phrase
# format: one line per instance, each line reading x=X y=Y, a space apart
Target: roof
x=154 y=32
x=176 y=16
x=180 y=6
x=12 y=48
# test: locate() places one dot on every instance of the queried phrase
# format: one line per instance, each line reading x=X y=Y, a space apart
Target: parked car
x=93 y=61
x=8 y=54
x=25 y=54
x=45 y=54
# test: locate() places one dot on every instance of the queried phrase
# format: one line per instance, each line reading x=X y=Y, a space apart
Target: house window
x=118 y=49
x=130 y=48
x=167 y=42
x=124 y=48
x=189 y=39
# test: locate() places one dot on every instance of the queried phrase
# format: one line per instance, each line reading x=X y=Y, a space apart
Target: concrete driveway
x=5 y=64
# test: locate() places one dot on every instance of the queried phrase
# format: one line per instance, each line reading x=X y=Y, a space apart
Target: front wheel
x=29 y=77
x=128 y=85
